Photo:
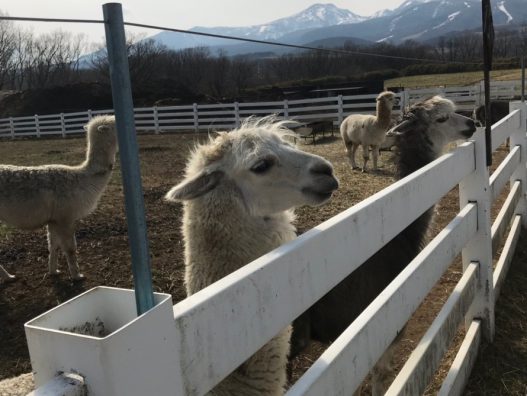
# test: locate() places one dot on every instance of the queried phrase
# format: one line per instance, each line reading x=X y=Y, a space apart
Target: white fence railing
x=197 y=117
x=208 y=338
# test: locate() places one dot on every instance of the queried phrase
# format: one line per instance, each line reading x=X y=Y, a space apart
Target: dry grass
x=451 y=79
x=104 y=257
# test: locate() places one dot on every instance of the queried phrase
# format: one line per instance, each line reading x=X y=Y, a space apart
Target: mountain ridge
x=419 y=20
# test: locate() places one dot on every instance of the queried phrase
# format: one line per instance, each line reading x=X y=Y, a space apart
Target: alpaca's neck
x=221 y=236
x=384 y=114
x=414 y=151
x=99 y=157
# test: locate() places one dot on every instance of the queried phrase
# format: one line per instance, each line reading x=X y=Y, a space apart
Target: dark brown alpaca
x=420 y=138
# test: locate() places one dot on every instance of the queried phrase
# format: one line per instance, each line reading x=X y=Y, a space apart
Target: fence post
x=518 y=138
x=90 y=114
x=37 y=126
x=286 y=109
x=62 y=125
x=156 y=120
x=196 y=119
x=340 y=109
x=481 y=92
x=236 y=114
x=12 y=127
x=406 y=96
x=475 y=188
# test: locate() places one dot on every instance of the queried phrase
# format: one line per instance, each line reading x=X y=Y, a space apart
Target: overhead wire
x=248 y=40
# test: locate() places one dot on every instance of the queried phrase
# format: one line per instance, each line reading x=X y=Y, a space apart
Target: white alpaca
x=238 y=193
x=59 y=195
x=368 y=130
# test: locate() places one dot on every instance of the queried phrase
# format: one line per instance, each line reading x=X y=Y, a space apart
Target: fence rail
x=198 y=117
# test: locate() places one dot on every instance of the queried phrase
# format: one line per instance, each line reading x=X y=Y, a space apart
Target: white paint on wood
x=342 y=367
x=331 y=108
x=503 y=264
x=518 y=138
x=501 y=130
x=280 y=285
x=503 y=220
x=476 y=189
x=459 y=372
x=502 y=174
x=420 y=367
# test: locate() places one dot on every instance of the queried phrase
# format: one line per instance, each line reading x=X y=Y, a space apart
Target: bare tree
x=7 y=49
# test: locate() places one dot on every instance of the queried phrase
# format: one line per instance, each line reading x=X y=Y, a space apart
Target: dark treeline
x=29 y=61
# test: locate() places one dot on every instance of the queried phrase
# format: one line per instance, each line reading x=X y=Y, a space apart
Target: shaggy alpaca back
x=59 y=195
x=17 y=386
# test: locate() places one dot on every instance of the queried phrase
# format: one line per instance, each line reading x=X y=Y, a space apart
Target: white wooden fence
x=198 y=117
x=218 y=328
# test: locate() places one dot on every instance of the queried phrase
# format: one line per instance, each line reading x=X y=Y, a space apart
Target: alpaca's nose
x=321 y=168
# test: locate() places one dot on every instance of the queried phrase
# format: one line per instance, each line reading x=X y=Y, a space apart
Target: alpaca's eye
x=442 y=119
x=262 y=166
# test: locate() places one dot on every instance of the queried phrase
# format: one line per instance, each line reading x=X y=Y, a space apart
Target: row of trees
x=30 y=61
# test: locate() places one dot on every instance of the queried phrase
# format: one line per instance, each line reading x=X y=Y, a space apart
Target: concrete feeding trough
x=99 y=336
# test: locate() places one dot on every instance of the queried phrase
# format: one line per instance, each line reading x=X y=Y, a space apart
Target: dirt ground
x=104 y=256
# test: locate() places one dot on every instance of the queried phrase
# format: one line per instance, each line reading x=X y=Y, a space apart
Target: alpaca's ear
x=103 y=128
x=85 y=127
x=195 y=187
x=401 y=128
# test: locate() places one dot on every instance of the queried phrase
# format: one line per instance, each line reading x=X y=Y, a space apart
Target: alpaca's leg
x=354 y=147
x=53 y=247
x=382 y=373
x=5 y=275
x=68 y=245
x=365 y=156
x=375 y=156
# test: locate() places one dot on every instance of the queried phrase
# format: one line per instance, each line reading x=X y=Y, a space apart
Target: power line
x=248 y=40
x=66 y=20
x=276 y=43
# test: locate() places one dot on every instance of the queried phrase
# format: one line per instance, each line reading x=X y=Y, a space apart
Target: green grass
x=450 y=79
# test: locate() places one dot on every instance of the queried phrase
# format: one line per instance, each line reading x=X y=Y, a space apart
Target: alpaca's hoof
x=364 y=170
x=54 y=273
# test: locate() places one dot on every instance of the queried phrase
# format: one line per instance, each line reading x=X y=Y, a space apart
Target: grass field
x=451 y=79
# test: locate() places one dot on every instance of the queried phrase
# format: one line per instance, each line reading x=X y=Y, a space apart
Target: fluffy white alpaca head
x=269 y=173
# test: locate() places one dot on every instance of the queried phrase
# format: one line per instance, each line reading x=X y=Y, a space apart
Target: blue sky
x=181 y=14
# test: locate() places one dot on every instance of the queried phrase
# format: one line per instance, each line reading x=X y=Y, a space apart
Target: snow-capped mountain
x=419 y=20
x=316 y=16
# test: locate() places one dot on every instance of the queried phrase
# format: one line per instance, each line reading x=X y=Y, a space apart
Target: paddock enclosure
x=447 y=292
x=203 y=117
x=102 y=237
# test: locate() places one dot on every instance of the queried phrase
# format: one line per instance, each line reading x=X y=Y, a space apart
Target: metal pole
x=523 y=79
x=488 y=44
x=129 y=154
